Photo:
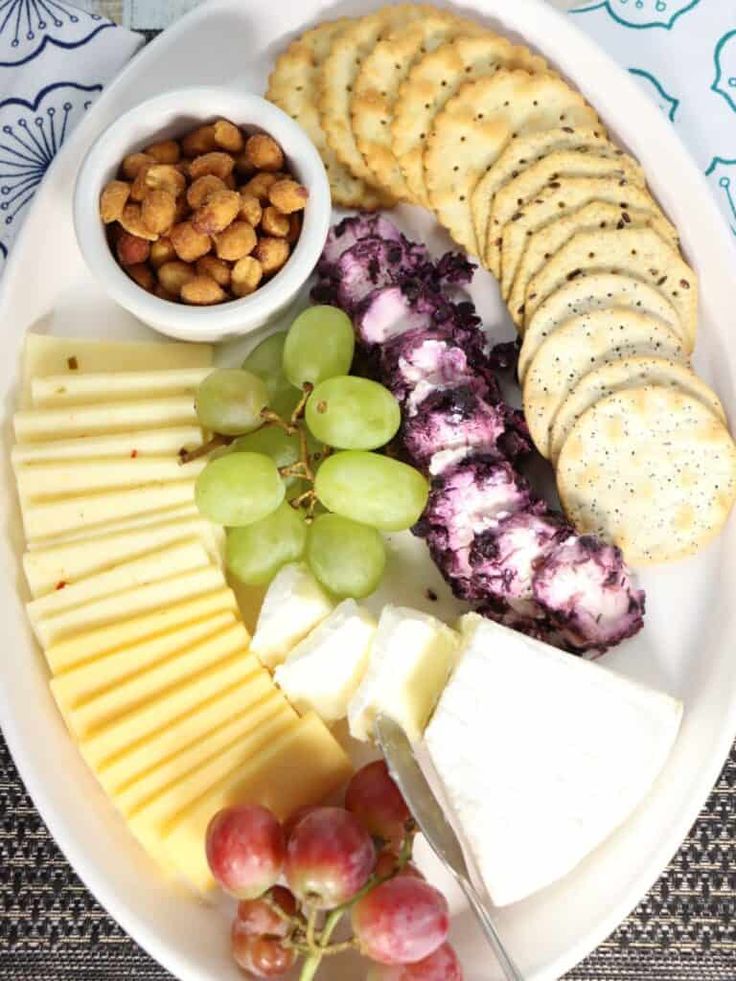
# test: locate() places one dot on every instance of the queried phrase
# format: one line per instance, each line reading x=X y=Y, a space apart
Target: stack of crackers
x=419 y=105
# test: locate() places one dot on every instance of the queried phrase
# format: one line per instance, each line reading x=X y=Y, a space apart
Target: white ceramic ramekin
x=173 y=114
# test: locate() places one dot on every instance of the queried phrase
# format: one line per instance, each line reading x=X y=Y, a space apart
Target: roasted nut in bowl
x=176 y=218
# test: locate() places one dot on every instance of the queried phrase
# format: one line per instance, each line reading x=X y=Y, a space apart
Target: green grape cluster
x=297 y=478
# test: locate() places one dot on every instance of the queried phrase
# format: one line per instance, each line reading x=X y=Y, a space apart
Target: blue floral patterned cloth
x=54 y=61
x=684 y=54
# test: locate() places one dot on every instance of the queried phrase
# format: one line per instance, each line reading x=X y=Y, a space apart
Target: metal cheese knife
x=436 y=829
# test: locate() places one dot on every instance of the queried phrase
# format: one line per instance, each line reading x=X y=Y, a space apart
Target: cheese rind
x=324 y=670
x=303 y=767
x=411 y=658
x=294 y=604
x=521 y=722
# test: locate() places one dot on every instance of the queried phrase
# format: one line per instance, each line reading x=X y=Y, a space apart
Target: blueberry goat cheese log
x=498 y=544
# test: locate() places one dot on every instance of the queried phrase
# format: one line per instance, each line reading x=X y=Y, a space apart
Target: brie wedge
x=411 y=658
x=324 y=670
x=294 y=604
x=542 y=755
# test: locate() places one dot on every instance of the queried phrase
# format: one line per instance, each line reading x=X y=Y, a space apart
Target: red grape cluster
x=352 y=861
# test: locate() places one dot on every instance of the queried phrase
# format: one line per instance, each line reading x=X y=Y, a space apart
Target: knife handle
x=510 y=969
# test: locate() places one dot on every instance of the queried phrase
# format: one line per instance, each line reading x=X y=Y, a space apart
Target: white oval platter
x=686 y=647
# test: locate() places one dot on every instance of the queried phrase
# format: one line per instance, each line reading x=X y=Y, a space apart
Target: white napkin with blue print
x=683 y=52
x=54 y=61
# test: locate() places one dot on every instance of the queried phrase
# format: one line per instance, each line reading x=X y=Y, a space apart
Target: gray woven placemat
x=51 y=928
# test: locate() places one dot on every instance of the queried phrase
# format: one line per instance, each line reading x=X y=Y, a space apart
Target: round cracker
x=650 y=469
x=579 y=346
x=377 y=87
x=639 y=210
x=521 y=153
x=596 y=292
x=477 y=124
x=599 y=161
x=436 y=78
x=294 y=87
x=340 y=69
x=617 y=376
x=638 y=252
x=564 y=196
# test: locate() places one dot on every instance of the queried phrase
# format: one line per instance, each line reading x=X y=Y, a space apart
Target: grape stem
x=218 y=440
x=274 y=419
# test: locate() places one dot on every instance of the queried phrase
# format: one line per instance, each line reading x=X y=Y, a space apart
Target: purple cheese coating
x=505 y=558
x=373 y=263
x=453 y=423
x=587 y=591
x=463 y=502
x=350 y=230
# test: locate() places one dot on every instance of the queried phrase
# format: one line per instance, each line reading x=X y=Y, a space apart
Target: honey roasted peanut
x=218 y=211
x=113 y=199
x=204 y=218
x=262 y=152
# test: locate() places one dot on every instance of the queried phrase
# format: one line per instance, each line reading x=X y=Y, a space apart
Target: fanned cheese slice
x=61 y=480
x=542 y=755
x=67 y=422
x=140 y=443
x=73 y=388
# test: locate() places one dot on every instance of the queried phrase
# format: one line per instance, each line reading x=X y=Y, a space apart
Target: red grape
x=376 y=801
x=442 y=965
x=329 y=857
x=401 y=921
x=263 y=957
x=291 y=822
x=256 y=918
x=245 y=850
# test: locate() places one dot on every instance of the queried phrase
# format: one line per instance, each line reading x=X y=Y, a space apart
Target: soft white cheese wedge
x=324 y=670
x=294 y=604
x=411 y=658
x=542 y=755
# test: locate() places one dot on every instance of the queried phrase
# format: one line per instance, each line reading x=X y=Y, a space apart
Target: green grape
x=274 y=442
x=239 y=488
x=348 y=558
x=372 y=489
x=319 y=345
x=256 y=553
x=353 y=413
x=230 y=401
x=265 y=361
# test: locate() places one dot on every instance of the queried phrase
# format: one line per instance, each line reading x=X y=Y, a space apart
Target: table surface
x=52 y=929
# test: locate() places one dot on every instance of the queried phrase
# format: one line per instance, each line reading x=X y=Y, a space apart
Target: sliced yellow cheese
x=36 y=425
x=57 y=481
x=140 y=443
x=73 y=388
x=149 y=824
x=46 y=355
x=302 y=767
x=52 y=518
x=123 y=769
x=77 y=686
x=120 y=635
x=151 y=686
x=229 y=662
x=167 y=780
x=161 y=564
x=133 y=602
x=135 y=522
x=46 y=569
